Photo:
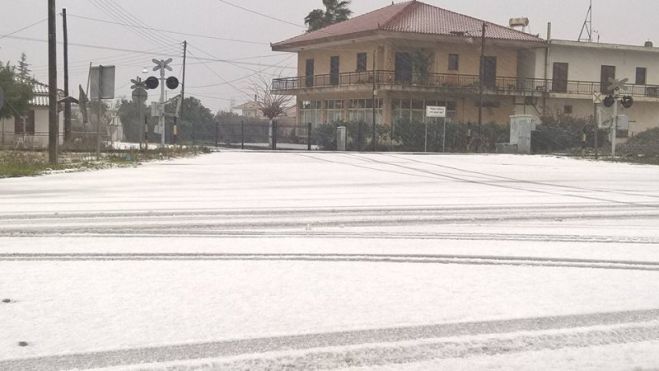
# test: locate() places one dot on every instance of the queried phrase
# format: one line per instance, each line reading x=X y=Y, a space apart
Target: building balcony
x=455 y=84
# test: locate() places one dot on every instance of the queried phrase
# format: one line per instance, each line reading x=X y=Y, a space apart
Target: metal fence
x=265 y=135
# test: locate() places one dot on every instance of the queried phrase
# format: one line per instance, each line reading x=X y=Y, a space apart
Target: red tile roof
x=410 y=17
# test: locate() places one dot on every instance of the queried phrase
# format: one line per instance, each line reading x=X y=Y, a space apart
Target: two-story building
x=395 y=61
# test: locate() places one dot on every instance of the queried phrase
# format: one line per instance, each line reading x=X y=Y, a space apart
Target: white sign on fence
x=435 y=111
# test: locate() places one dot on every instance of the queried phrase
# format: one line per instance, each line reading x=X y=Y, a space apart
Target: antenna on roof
x=586 y=33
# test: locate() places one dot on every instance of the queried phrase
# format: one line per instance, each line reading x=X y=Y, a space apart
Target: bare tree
x=270 y=104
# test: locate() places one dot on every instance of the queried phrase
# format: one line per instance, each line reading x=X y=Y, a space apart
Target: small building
x=572 y=72
x=30 y=131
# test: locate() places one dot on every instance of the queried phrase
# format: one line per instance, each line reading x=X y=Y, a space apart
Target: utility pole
x=67 y=103
x=375 y=136
x=481 y=87
x=185 y=57
x=161 y=119
x=53 y=127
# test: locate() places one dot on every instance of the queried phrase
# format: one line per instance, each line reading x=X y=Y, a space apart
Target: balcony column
x=386 y=108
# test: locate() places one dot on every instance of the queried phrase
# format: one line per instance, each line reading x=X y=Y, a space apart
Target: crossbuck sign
x=435 y=111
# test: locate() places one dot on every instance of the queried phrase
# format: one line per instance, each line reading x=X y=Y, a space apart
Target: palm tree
x=335 y=11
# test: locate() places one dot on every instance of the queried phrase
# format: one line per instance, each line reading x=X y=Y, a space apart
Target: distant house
x=251 y=109
x=30 y=130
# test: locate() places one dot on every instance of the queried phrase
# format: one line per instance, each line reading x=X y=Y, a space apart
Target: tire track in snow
x=434 y=175
x=356 y=258
x=579 y=335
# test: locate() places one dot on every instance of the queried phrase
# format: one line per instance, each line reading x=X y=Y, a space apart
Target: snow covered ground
x=256 y=260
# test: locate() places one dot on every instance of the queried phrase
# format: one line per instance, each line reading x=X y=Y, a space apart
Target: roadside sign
x=435 y=111
x=101 y=82
x=597 y=98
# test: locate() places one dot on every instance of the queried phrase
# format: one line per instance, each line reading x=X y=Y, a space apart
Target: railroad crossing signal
x=617 y=85
x=137 y=83
x=162 y=64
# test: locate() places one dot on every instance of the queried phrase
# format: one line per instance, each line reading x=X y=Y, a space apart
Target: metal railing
x=452 y=83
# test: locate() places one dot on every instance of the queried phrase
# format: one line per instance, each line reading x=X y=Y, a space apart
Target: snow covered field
x=255 y=260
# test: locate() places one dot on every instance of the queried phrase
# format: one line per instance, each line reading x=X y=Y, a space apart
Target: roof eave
x=297 y=46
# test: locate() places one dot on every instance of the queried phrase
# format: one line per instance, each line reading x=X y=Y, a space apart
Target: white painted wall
x=585 y=61
x=40 y=139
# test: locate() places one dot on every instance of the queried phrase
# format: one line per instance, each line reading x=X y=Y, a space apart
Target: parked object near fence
x=341 y=138
x=521 y=127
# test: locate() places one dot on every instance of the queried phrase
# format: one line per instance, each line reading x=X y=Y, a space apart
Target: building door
x=334 y=70
x=308 y=74
x=490 y=72
x=403 y=67
x=559 y=82
x=608 y=72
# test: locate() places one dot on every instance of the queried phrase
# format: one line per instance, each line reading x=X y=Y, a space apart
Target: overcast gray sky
x=216 y=83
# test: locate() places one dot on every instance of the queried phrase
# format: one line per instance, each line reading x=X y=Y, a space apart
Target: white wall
x=40 y=139
x=585 y=62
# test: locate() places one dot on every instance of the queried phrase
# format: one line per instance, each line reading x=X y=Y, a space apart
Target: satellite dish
x=172 y=83
x=152 y=82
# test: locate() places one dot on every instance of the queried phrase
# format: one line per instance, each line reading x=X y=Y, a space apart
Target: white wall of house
x=585 y=61
x=40 y=137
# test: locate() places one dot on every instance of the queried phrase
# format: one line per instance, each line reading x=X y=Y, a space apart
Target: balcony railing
x=452 y=83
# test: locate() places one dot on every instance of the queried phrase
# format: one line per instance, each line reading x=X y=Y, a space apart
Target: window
x=334 y=111
x=19 y=125
x=559 y=82
x=453 y=62
x=361 y=110
x=24 y=124
x=608 y=73
x=309 y=72
x=334 y=70
x=641 y=75
x=310 y=112
x=362 y=61
x=403 y=67
x=568 y=109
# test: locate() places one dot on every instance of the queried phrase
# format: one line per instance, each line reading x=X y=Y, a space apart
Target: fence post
x=309 y=136
x=242 y=134
x=217 y=134
x=360 y=136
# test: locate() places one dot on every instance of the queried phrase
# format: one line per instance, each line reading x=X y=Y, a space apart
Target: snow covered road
x=247 y=260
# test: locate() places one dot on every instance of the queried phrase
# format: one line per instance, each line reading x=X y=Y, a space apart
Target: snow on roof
x=411 y=17
x=41 y=96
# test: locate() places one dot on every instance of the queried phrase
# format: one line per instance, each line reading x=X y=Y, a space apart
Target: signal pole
x=67 y=103
x=53 y=125
x=180 y=113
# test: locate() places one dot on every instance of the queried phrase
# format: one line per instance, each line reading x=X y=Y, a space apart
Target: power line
x=169 y=31
x=145 y=52
x=261 y=14
x=223 y=79
x=109 y=8
x=240 y=78
x=23 y=28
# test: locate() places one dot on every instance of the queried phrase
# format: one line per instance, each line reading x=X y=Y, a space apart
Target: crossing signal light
x=151 y=83
x=172 y=83
x=627 y=101
x=609 y=101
